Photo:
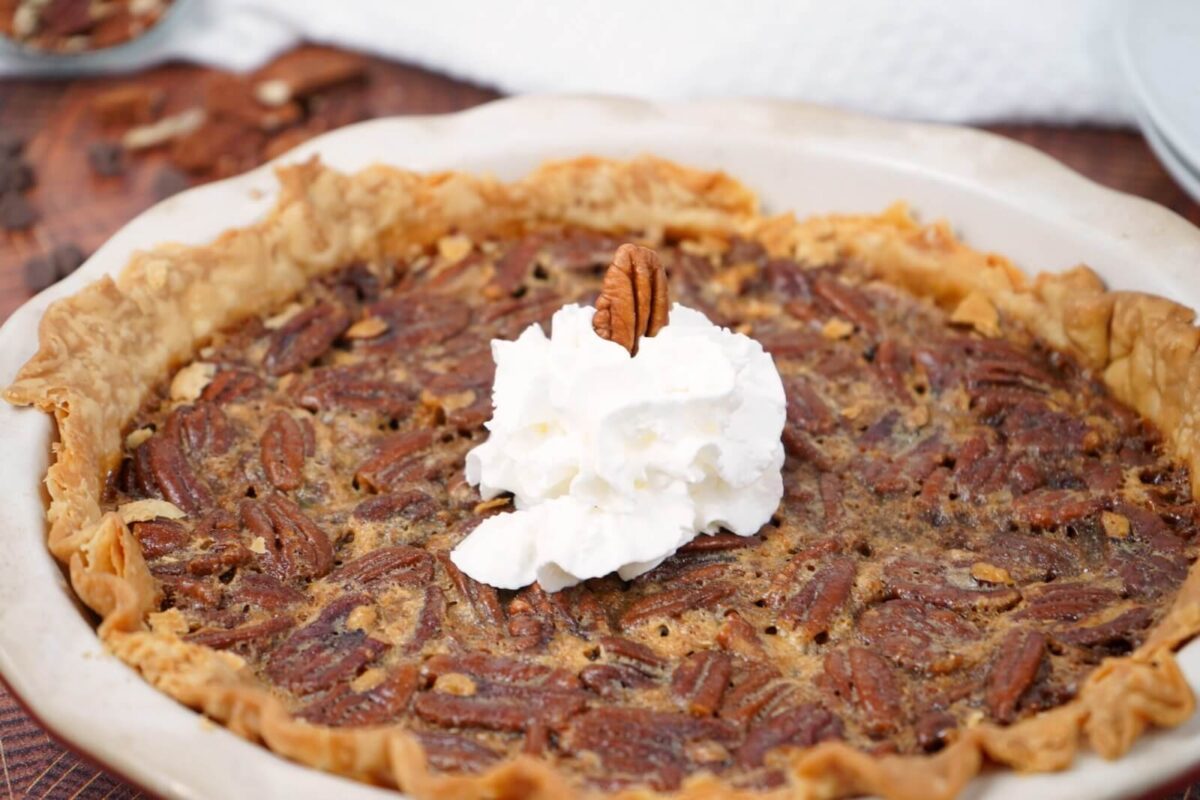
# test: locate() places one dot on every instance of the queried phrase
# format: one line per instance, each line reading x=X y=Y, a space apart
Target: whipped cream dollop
x=615 y=461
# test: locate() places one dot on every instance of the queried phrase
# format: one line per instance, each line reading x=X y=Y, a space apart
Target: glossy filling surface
x=969 y=526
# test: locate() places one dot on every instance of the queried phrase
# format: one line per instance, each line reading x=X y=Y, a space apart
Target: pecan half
x=633 y=299
x=295 y=546
x=813 y=609
x=483 y=600
x=918 y=636
x=324 y=652
x=226 y=638
x=877 y=689
x=305 y=338
x=802 y=726
x=169 y=470
x=650 y=745
x=429 y=623
x=203 y=428
x=281 y=451
x=700 y=680
x=674 y=602
x=450 y=752
x=396 y=457
x=384 y=702
x=1013 y=671
x=231 y=385
x=399 y=565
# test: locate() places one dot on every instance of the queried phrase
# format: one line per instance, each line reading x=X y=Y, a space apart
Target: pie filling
x=970 y=525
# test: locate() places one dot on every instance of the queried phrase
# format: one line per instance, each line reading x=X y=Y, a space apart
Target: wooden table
x=79 y=208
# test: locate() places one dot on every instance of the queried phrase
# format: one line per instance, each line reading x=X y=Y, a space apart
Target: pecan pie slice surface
x=971 y=525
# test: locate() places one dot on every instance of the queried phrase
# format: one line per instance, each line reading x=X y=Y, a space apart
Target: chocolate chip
x=15 y=175
x=15 y=212
x=39 y=273
x=168 y=182
x=66 y=259
x=11 y=145
x=106 y=159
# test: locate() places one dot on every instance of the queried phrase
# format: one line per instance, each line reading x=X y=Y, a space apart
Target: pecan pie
x=984 y=550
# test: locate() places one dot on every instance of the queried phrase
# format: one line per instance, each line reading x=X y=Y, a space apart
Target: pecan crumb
x=1116 y=526
x=633 y=299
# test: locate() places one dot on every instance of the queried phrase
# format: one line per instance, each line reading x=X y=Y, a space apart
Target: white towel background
x=950 y=60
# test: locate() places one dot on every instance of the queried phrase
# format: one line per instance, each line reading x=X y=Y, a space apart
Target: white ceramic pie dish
x=1000 y=196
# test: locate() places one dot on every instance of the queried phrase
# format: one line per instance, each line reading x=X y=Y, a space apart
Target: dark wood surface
x=78 y=208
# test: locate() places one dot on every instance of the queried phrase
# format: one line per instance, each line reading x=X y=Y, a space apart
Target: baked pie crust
x=104 y=351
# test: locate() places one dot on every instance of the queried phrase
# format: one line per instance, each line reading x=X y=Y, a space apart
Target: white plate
x=1187 y=178
x=1001 y=196
x=1158 y=42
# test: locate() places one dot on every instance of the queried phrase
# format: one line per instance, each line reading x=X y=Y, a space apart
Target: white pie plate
x=1000 y=195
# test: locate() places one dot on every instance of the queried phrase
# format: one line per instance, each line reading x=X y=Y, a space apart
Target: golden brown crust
x=104 y=349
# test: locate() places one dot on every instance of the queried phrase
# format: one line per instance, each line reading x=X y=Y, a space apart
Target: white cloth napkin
x=1035 y=60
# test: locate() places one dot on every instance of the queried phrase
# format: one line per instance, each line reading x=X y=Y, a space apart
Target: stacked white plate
x=1158 y=43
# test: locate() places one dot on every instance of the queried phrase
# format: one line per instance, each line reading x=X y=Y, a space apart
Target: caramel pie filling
x=970 y=525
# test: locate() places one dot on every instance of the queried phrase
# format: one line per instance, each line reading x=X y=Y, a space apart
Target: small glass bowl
x=135 y=53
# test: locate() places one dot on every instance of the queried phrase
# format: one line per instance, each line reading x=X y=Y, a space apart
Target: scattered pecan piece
x=131 y=104
x=306 y=71
x=633 y=300
x=1050 y=507
x=781 y=582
